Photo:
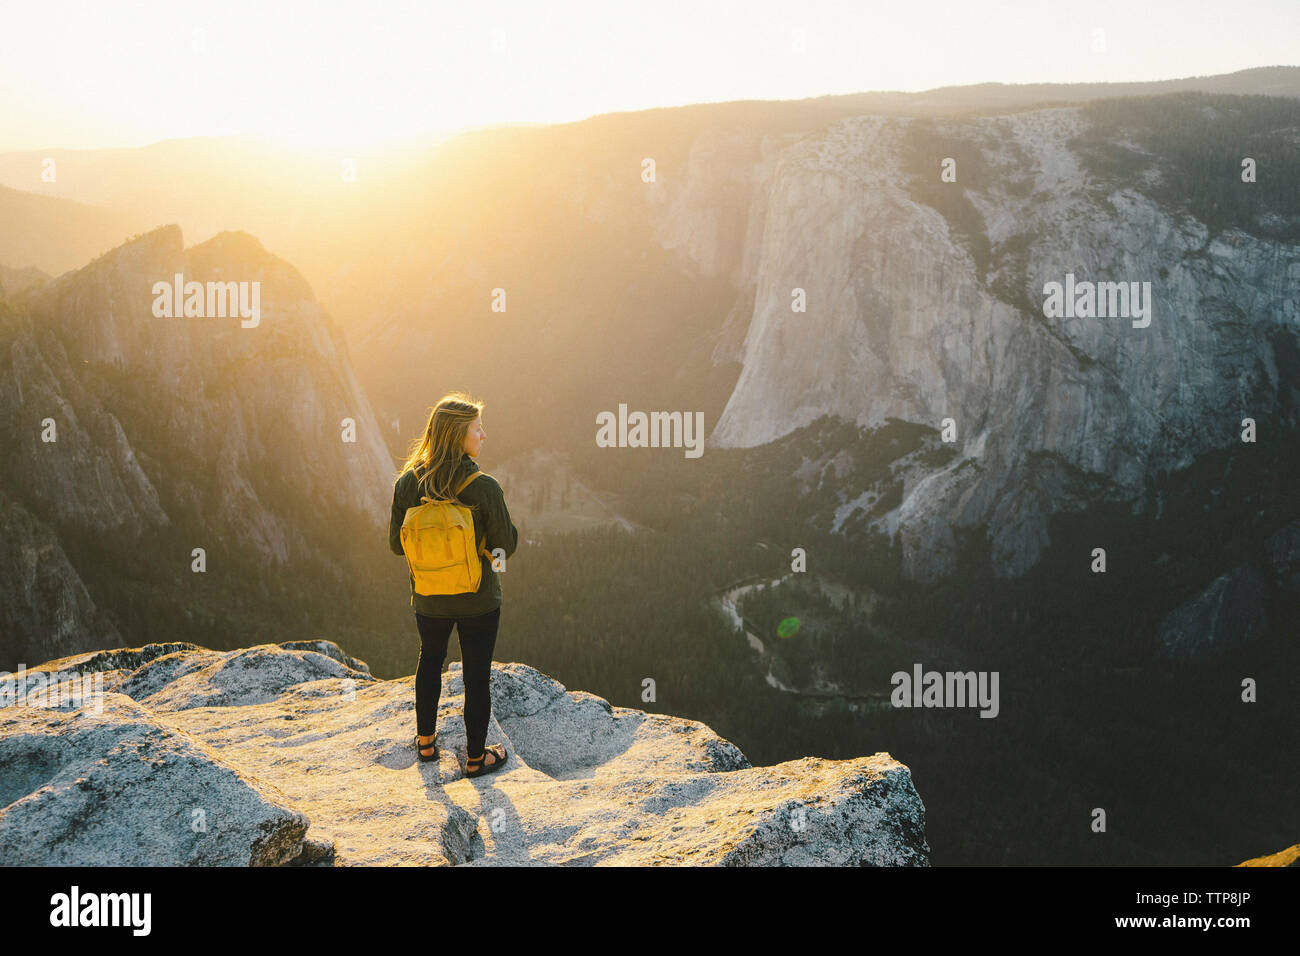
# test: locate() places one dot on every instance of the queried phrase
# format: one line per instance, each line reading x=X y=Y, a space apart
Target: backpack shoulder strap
x=465 y=484
x=482 y=548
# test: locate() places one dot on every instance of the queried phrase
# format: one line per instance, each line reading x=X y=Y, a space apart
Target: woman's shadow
x=491 y=807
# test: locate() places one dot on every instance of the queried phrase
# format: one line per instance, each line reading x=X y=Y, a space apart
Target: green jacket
x=491 y=518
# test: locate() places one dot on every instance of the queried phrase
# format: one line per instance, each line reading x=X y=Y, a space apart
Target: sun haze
x=348 y=77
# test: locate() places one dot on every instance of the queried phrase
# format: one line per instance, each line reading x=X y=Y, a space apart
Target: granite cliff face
x=918 y=314
x=295 y=754
x=195 y=426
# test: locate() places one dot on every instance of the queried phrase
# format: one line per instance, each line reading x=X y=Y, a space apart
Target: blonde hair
x=436 y=455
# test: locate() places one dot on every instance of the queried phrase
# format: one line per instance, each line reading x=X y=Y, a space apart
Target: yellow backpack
x=438 y=540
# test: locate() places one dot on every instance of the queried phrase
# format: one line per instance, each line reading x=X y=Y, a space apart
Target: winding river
x=822 y=697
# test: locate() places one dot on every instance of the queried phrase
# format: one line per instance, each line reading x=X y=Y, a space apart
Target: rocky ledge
x=294 y=754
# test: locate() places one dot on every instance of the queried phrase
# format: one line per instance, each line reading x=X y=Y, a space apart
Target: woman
x=437 y=464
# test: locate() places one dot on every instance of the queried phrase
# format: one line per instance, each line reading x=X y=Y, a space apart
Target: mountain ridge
x=142 y=437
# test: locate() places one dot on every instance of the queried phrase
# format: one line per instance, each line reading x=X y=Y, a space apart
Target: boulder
x=122 y=787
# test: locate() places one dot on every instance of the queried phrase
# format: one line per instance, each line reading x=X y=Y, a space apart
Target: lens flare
x=788 y=628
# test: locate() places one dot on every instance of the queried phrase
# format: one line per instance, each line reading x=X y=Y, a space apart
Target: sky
x=361 y=75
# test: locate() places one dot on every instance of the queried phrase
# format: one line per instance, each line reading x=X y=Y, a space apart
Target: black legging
x=478 y=637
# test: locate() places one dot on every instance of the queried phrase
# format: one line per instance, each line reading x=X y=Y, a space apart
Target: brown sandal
x=475 y=767
x=419 y=747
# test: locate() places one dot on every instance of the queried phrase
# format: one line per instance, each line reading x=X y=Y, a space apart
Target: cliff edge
x=294 y=754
